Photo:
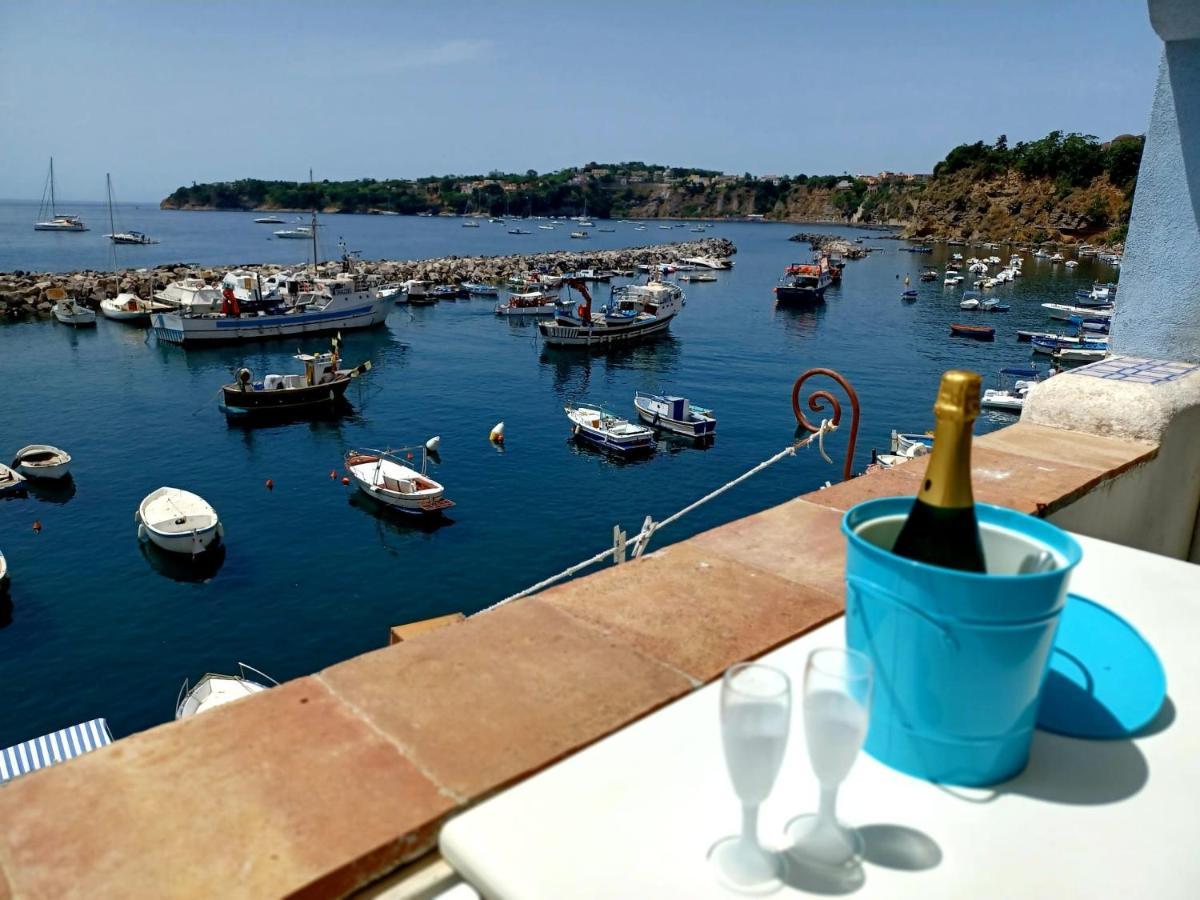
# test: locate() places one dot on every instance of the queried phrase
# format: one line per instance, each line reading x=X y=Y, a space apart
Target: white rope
x=642 y=538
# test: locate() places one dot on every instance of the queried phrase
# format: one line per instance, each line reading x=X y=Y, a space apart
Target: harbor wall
x=23 y=294
x=1159 y=313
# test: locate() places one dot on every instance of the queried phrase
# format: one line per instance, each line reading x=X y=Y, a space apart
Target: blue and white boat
x=675 y=414
x=602 y=429
x=478 y=289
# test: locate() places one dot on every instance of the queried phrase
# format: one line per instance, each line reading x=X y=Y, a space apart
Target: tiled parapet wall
x=324 y=784
x=1156 y=402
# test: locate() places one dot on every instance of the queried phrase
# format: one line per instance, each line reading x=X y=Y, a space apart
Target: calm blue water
x=99 y=626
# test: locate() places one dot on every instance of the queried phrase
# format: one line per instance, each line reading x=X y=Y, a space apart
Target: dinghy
x=214 y=690
x=607 y=431
x=11 y=481
x=381 y=475
x=178 y=521
x=42 y=461
x=978 y=332
x=675 y=414
x=67 y=311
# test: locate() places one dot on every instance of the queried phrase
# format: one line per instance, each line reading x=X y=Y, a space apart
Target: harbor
x=137 y=413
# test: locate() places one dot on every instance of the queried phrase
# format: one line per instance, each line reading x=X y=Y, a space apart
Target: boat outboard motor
x=243 y=378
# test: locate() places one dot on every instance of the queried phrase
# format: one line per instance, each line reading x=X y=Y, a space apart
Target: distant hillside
x=1062 y=186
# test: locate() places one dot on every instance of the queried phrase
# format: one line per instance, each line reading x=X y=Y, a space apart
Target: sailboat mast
x=53 y=210
x=112 y=228
x=313 y=229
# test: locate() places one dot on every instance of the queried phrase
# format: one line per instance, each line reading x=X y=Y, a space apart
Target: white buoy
x=497 y=434
x=433 y=443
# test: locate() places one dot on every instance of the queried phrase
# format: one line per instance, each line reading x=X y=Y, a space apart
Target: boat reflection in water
x=198 y=569
x=57 y=492
x=391 y=525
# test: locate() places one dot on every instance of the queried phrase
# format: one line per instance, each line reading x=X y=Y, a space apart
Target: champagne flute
x=837 y=703
x=756 y=710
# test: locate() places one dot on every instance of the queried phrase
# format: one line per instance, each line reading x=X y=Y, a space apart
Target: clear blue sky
x=166 y=93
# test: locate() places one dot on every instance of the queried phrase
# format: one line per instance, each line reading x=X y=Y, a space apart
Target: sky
x=166 y=93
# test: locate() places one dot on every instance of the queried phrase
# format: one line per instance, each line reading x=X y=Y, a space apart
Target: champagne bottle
x=941 y=528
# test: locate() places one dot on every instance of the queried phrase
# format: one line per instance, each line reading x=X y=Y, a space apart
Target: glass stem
x=827 y=811
x=750 y=826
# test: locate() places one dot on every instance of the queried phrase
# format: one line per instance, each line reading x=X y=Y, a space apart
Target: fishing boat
x=1024 y=337
x=634 y=312
x=802 y=284
x=55 y=221
x=609 y=432
x=978 y=332
x=178 y=521
x=478 y=289
x=345 y=301
x=68 y=311
x=675 y=414
x=381 y=475
x=127 y=308
x=122 y=237
x=11 y=481
x=532 y=303
x=268 y=220
x=321 y=386
x=214 y=690
x=1016 y=384
x=41 y=461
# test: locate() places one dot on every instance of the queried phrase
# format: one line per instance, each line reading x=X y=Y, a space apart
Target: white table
x=634 y=815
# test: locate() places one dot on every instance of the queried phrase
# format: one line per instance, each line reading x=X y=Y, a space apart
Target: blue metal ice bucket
x=959 y=657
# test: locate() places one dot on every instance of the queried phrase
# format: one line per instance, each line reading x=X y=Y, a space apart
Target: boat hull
x=799 y=296
x=190 y=543
x=627 y=447
x=697 y=429
x=287 y=400
x=177 y=329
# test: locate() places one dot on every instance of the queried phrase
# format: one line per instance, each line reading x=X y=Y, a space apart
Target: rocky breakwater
x=832 y=244
x=24 y=294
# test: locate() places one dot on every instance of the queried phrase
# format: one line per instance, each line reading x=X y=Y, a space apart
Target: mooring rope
x=650 y=527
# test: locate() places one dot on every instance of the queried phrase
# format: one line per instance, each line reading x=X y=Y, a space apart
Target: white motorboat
x=268 y=220
x=417 y=292
x=1016 y=383
x=579 y=235
x=1063 y=312
x=193 y=295
x=11 y=481
x=127 y=308
x=709 y=262
x=1071 y=263
x=533 y=303
x=41 y=461
x=303 y=233
x=178 y=521
x=970 y=300
x=49 y=218
x=381 y=475
x=1080 y=354
x=214 y=690
x=68 y=311
x=675 y=414
x=609 y=432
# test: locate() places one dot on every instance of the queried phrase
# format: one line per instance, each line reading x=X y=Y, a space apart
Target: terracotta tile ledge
x=329 y=782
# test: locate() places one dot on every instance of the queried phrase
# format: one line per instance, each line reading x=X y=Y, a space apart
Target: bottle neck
x=947 y=481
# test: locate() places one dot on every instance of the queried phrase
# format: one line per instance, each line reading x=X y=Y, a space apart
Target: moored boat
x=127 y=308
x=11 y=481
x=381 y=475
x=321 y=386
x=532 y=303
x=1015 y=385
x=41 y=461
x=602 y=429
x=68 y=311
x=978 y=332
x=675 y=414
x=1063 y=312
x=803 y=284
x=970 y=300
x=478 y=289
x=268 y=220
x=178 y=521
x=1080 y=354
x=215 y=690
x=635 y=312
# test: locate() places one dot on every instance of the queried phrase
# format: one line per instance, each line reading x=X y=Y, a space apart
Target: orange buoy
x=37 y=526
x=270 y=485
x=410 y=456
x=345 y=480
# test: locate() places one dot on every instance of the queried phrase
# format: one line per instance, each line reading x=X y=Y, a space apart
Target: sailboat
x=57 y=221
x=470 y=216
x=123 y=237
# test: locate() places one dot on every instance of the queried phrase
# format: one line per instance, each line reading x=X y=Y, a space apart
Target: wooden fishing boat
x=41 y=461
x=675 y=414
x=321 y=387
x=602 y=429
x=69 y=311
x=11 y=481
x=978 y=332
x=382 y=476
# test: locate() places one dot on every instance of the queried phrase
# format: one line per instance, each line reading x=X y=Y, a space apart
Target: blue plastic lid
x=1104 y=681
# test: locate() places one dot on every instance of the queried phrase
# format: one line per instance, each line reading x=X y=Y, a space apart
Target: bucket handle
x=864 y=585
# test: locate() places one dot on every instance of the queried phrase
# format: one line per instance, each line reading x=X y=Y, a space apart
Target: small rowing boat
x=978 y=332
x=382 y=476
x=178 y=521
x=609 y=432
x=41 y=461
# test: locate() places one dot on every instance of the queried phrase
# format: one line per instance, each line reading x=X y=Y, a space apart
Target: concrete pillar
x=1158 y=315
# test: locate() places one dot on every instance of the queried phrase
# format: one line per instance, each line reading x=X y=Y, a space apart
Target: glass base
x=827 y=845
x=745 y=868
